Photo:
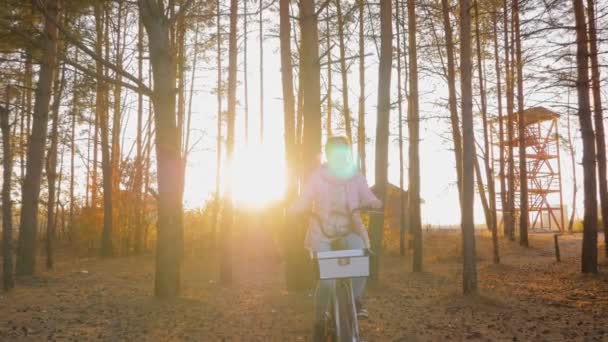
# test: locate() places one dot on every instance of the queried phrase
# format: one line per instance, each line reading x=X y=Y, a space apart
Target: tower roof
x=533 y=115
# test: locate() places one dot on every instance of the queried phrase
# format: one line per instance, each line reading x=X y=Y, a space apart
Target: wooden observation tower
x=545 y=203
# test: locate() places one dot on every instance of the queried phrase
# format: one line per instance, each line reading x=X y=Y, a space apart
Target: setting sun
x=258 y=175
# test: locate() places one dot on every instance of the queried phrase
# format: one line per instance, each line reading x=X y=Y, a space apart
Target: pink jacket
x=316 y=196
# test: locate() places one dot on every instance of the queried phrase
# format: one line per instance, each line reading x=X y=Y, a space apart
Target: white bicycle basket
x=348 y=263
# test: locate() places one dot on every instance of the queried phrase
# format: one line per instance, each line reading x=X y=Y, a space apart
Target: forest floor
x=528 y=297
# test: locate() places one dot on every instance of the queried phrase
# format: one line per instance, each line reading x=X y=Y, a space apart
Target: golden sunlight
x=258 y=175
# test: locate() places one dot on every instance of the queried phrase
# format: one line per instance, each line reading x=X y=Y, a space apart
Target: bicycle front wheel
x=327 y=331
x=346 y=313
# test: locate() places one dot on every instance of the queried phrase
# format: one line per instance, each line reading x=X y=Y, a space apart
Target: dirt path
x=528 y=297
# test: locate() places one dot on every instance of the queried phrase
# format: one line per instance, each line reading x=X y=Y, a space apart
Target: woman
x=332 y=192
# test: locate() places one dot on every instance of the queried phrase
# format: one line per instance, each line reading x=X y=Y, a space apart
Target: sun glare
x=258 y=175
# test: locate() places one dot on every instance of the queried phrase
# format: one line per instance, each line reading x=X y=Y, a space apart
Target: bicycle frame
x=340 y=317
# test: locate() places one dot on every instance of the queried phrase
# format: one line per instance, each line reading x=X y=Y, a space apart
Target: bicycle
x=339 y=322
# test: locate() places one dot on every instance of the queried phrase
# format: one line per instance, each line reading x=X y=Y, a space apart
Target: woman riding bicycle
x=332 y=192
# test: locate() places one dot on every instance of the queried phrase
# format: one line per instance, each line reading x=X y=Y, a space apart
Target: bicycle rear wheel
x=345 y=313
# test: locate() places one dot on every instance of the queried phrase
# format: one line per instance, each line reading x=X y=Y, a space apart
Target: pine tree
x=469 y=274
x=26 y=252
x=589 y=252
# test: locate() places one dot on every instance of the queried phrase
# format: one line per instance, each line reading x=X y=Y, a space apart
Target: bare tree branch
x=92 y=73
x=325 y=4
x=76 y=42
x=139 y=87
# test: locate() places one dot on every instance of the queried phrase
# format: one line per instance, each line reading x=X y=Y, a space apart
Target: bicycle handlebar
x=352 y=212
x=368 y=210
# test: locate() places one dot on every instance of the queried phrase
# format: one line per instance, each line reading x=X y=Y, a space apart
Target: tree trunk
x=261 y=22
x=482 y=190
x=329 y=74
x=58 y=199
x=245 y=72
x=361 y=115
x=598 y=120
x=310 y=147
x=186 y=143
x=402 y=206
x=311 y=80
x=116 y=119
x=22 y=136
x=26 y=253
x=101 y=108
x=88 y=161
x=523 y=174
x=75 y=112
x=17 y=129
x=469 y=274
x=343 y=72
x=501 y=135
x=415 y=223
x=228 y=212
x=287 y=87
x=573 y=163
x=148 y=153
x=181 y=79
x=589 y=253
x=452 y=98
x=486 y=198
x=51 y=170
x=382 y=131
x=492 y=224
x=28 y=112
x=137 y=183
x=291 y=243
x=8 y=282
x=95 y=159
x=169 y=245
x=510 y=212
x=300 y=114
x=147 y=158
x=218 y=156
